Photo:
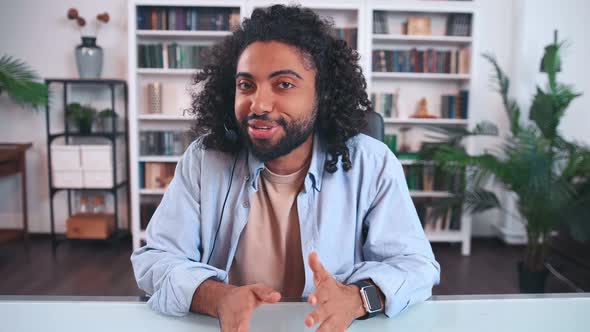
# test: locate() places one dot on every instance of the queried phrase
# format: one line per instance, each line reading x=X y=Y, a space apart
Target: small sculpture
x=422 y=111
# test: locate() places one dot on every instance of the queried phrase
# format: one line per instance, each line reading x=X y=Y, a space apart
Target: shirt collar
x=316 y=167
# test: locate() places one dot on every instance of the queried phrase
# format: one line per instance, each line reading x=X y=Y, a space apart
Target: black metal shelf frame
x=111 y=135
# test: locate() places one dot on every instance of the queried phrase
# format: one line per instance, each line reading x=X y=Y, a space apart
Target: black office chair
x=375 y=126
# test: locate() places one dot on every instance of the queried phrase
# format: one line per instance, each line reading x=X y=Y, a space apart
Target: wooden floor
x=91 y=268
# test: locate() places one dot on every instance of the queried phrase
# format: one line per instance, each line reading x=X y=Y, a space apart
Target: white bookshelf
x=414 y=86
x=174 y=91
x=346 y=14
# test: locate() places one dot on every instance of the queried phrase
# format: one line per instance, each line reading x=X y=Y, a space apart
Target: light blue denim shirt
x=362 y=223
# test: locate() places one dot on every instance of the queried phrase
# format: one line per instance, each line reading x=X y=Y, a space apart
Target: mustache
x=264 y=117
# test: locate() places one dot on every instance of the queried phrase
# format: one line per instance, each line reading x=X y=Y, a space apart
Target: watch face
x=372 y=298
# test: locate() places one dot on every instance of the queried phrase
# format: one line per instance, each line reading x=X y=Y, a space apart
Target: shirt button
x=247 y=178
x=246 y=205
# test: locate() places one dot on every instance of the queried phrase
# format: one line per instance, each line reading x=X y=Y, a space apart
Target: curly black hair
x=340 y=84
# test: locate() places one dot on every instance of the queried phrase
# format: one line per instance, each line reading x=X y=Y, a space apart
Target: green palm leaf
x=18 y=80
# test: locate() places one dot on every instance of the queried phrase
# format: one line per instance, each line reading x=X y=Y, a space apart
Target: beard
x=296 y=133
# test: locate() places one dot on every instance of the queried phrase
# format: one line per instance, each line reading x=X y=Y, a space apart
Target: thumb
x=265 y=293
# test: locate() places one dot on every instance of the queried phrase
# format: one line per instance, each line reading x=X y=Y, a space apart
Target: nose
x=262 y=101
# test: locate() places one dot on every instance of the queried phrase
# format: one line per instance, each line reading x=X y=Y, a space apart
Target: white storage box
x=102 y=179
x=100 y=157
x=65 y=157
x=67 y=179
x=97 y=179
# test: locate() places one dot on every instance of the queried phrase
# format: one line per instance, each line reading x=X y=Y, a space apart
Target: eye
x=243 y=85
x=286 y=85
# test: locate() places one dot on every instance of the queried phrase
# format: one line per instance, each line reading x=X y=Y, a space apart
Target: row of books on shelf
x=156 y=175
x=452 y=106
x=455 y=106
x=386 y=22
x=146 y=211
x=422 y=61
x=385 y=104
x=163 y=143
x=349 y=35
x=459 y=25
x=430 y=177
x=187 y=18
x=436 y=222
x=170 y=55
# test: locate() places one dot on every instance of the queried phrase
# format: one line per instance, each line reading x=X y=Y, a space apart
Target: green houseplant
x=82 y=116
x=18 y=81
x=105 y=119
x=549 y=174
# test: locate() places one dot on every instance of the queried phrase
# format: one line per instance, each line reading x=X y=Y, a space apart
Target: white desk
x=567 y=312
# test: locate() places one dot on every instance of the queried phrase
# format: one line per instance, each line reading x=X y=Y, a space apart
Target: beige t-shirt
x=269 y=250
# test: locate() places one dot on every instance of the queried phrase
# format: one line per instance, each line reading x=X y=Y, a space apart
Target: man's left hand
x=337 y=304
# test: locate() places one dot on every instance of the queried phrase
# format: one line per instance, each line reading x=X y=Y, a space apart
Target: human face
x=275 y=98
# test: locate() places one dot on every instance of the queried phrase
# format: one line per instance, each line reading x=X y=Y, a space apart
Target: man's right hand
x=235 y=309
x=232 y=305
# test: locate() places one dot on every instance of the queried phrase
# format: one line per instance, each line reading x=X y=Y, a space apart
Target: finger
x=317 y=316
x=332 y=324
x=320 y=296
x=265 y=293
x=244 y=326
x=320 y=274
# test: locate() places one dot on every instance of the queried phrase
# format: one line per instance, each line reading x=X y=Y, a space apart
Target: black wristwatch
x=370 y=297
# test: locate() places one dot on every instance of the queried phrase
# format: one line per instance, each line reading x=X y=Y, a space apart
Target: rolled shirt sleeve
x=168 y=267
x=398 y=257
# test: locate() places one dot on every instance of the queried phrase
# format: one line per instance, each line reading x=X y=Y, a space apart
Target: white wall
x=533 y=25
x=514 y=30
x=39 y=33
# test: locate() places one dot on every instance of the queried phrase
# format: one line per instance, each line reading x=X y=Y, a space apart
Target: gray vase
x=89 y=58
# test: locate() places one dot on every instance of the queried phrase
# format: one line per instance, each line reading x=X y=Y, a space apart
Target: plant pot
x=84 y=127
x=89 y=58
x=105 y=124
x=531 y=282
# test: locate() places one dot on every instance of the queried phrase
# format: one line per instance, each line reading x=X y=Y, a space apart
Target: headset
x=231 y=136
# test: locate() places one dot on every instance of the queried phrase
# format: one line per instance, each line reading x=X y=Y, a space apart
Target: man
x=279 y=178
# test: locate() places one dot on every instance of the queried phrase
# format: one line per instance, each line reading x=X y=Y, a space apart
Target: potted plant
x=18 y=81
x=105 y=119
x=549 y=174
x=82 y=116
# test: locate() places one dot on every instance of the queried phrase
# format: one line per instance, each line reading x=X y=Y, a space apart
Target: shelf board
x=423 y=39
x=160 y=159
x=167 y=71
x=53 y=189
x=93 y=134
x=164 y=117
x=415 y=162
x=426 y=122
x=182 y=33
x=430 y=194
x=159 y=191
x=90 y=81
x=444 y=236
x=424 y=76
